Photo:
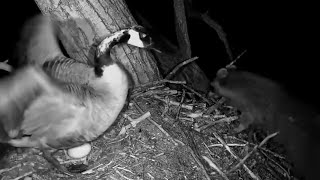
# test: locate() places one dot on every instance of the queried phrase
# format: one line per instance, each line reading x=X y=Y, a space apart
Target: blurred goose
x=57 y=102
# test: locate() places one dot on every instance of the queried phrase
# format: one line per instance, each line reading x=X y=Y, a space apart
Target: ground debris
x=164 y=134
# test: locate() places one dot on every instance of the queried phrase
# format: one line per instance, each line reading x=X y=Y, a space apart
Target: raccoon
x=266 y=103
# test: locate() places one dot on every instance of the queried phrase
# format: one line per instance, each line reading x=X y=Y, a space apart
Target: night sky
x=279 y=38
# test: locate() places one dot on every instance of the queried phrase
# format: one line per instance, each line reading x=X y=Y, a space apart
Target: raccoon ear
x=231 y=67
x=222 y=73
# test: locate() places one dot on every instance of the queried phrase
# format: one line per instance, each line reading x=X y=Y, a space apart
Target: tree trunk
x=84 y=23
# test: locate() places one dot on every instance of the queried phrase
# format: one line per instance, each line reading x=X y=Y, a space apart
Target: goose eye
x=144 y=37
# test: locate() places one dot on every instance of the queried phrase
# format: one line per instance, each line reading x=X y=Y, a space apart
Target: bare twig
x=166 y=106
x=155 y=83
x=195 y=157
x=23 y=175
x=11 y=168
x=180 y=104
x=253 y=176
x=154 y=92
x=134 y=122
x=174 y=103
x=156 y=124
x=214 y=166
x=226 y=119
x=229 y=144
x=236 y=59
x=216 y=105
x=186 y=119
x=174 y=71
x=286 y=173
x=261 y=148
x=225 y=145
x=253 y=150
x=198 y=94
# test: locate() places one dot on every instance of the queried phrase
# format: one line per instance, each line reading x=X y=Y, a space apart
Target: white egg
x=80 y=151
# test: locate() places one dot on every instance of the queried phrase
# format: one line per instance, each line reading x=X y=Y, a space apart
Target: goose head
x=134 y=36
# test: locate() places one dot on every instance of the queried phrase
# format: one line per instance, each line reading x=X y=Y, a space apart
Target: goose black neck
x=103 y=60
x=106 y=59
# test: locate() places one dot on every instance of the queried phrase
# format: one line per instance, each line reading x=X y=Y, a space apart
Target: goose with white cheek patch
x=54 y=102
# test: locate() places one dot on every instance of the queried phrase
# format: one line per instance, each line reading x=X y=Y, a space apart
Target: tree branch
x=222 y=35
x=182 y=29
x=211 y=23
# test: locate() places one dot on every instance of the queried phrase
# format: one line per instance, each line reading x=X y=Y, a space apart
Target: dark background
x=280 y=39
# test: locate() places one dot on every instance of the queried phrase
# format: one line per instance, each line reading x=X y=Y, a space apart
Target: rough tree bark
x=84 y=23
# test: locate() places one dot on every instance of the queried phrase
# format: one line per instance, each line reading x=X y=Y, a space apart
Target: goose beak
x=141 y=39
x=156 y=50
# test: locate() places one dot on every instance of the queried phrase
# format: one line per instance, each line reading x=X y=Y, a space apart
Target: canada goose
x=63 y=103
x=264 y=102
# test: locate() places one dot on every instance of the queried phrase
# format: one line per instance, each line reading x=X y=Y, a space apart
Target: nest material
x=164 y=134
